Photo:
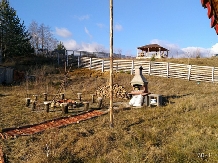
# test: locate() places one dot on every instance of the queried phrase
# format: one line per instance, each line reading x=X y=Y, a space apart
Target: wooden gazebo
x=152 y=50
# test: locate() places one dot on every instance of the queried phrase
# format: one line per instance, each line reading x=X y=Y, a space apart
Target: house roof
x=212 y=12
x=152 y=47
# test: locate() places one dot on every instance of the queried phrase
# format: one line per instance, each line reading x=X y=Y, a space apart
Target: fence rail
x=162 y=69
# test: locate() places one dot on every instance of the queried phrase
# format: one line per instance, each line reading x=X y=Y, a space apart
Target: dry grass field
x=184 y=129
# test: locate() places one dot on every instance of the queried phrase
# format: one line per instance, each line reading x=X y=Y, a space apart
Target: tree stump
x=45 y=96
x=62 y=96
x=86 y=106
x=47 y=104
x=93 y=99
x=79 y=96
x=100 y=99
x=34 y=105
x=27 y=102
x=64 y=107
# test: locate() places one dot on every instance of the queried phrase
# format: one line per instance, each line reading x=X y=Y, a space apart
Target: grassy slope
x=177 y=132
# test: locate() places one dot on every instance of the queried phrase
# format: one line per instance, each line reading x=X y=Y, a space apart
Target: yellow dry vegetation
x=184 y=129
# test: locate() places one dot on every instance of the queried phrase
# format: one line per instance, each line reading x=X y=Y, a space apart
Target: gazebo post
x=148 y=52
x=159 y=53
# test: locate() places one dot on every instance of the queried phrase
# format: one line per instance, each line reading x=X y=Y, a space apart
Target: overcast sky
x=181 y=26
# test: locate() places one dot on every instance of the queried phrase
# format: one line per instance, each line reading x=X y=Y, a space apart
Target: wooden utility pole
x=111 y=64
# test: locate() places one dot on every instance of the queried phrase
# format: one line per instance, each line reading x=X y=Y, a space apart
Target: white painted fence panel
x=158 y=69
x=201 y=73
x=123 y=65
x=215 y=74
x=178 y=71
x=162 y=69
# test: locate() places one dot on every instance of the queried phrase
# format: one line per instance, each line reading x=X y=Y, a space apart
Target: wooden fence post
x=189 y=71
x=149 y=69
x=102 y=67
x=78 y=61
x=117 y=67
x=132 y=67
x=167 y=69
x=90 y=65
x=67 y=57
x=58 y=59
x=213 y=74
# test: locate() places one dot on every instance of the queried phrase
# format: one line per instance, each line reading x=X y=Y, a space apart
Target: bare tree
x=42 y=38
x=33 y=29
x=119 y=51
x=43 y=32
x=209 y=53
x=99 y=49
x=197 y=53
x=188 y=54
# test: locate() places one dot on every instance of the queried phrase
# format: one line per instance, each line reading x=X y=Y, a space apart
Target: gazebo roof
x=152 y=47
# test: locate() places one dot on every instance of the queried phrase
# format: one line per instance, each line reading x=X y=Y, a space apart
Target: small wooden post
x=27 y=102
x=34 y=105
x=62 y=96
x=79 y=96
x=47 y=106
x=64 y=107
x=45 y=96
x=36 y=97
x=99 y=102
x=86 y=106
x=93 y=99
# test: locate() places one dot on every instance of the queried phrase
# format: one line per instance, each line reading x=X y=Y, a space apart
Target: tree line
x=16 y=40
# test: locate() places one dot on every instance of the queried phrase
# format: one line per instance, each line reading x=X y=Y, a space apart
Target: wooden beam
x=111 y=65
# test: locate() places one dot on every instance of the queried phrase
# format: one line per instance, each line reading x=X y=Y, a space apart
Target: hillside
x=183 y=130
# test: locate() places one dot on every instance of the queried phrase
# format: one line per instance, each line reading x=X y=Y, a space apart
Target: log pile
x=118 y=92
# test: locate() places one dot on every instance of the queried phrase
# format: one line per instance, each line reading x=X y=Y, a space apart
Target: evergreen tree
x=15 y=39
x=60 y=48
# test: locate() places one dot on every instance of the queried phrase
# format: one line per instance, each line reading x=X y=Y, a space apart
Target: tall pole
x=111 y=64
x=1 y=39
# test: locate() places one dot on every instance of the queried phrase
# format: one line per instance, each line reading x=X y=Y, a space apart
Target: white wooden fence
x=162 y=69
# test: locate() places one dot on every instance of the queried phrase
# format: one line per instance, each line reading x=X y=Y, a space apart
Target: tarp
x=136 y=100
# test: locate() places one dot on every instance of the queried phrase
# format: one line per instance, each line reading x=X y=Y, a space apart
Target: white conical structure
x=139 y=79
